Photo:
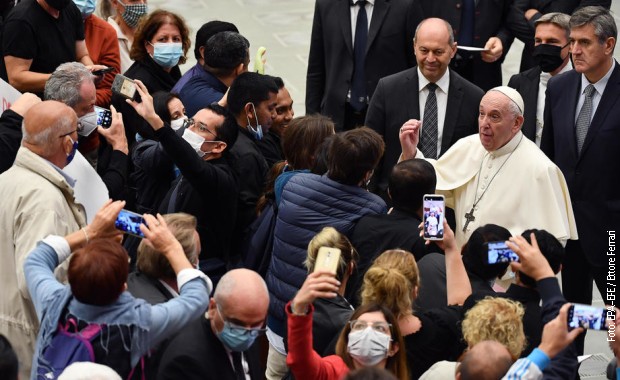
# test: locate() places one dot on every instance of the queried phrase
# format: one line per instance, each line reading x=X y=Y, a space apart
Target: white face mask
x=368 y=346
x=178 y=123
x=195 y=140
x=89 y=123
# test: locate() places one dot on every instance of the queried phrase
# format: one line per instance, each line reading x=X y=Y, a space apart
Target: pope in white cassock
x=498 y=176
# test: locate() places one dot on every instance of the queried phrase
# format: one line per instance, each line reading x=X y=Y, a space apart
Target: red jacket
x=102 y=45
x=303 y=361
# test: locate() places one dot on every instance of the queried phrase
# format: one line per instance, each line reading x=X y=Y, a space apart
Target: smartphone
x=434 y=209
x=498 y=252
x=103 y=71
x=327 y=259
x=124 y=87
x=129 y=222
x=587 y=316
x=104 y=117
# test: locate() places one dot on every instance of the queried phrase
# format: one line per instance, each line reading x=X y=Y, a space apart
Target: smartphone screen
x=500 y=253
x=129 y=222
x=104 y=117
x=586 y=316
x=434 y=212
x=327 y=259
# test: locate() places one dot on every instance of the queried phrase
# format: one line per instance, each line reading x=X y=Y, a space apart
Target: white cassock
x=528 y=192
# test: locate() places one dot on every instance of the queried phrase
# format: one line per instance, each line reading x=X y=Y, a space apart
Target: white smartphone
x=434 y=210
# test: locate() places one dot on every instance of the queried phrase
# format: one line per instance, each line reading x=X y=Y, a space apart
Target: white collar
x=443 y=83
x=509 y=147
x=602 y=83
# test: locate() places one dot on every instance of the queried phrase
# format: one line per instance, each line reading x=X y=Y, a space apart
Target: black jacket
x=10 y=138
x=205 y=189
x=271 y=148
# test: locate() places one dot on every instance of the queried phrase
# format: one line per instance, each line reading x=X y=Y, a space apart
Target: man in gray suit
x=446 y=103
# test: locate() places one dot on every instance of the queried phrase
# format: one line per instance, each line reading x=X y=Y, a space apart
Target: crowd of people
x=204 y=263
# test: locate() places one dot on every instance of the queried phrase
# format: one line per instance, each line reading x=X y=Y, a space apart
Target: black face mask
x=58 y=4
x=548 y=57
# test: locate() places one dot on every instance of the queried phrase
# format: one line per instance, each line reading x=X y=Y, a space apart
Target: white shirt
x=370 y=4
x=124 y=45
x=442 y=101
x=540 y=102
x=598 y=86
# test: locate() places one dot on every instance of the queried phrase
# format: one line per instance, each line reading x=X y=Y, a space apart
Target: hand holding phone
x=328 y=259
x=129 y=222
x=434 y=207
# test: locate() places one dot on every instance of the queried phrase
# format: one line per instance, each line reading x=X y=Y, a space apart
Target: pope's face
x=497 y=124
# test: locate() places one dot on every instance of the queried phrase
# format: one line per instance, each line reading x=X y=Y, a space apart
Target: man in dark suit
x=582 y=136
x=477 y=23
x=404 y=96
x=524 y=14
x=221 y=345
x=552 y=58
x=335 y=85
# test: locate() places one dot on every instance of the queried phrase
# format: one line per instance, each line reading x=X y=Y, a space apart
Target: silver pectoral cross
x=469 y=217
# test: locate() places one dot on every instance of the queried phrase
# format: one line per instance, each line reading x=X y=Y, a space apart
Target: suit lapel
x=344 y=8
x=530 y=87
x=379 y=11
x=413 y=104
x=610 y=96
x=455 y=97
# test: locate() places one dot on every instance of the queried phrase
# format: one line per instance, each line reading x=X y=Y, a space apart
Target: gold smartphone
x=327 y=259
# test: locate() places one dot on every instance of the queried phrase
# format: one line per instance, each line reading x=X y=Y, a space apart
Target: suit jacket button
x=458 y=6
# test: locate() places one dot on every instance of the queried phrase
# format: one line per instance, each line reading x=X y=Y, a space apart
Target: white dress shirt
x=540 y=101
x=442 y=101
x=370 y=4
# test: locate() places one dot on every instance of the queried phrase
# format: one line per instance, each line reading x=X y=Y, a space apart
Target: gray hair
x=561 y=20
x=448 y=26
x=600 y=18
x=514 y=109
x=47 y=137
x=65 y=82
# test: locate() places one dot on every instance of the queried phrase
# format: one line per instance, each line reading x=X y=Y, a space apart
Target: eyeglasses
x=382 y=327
x=252 y=331
x=79 y=128
x=202 y=127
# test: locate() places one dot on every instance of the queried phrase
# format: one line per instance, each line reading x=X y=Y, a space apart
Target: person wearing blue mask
x=222 y=345
x=38 y=200
x=161 y=43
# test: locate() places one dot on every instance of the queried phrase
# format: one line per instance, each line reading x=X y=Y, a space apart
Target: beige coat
x=36 y=201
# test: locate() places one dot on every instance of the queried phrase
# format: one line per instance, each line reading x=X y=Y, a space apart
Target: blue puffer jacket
x=308 y=203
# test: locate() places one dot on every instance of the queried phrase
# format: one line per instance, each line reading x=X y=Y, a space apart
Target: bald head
x=434 y=48
x=43 y=124
x=242 y=290
x=487 y=360
x=439 y=28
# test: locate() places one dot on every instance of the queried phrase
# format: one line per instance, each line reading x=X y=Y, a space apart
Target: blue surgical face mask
x=71 y=155
x=167 y=54
x=87 y=7
x=236 y=338
x=258 y=132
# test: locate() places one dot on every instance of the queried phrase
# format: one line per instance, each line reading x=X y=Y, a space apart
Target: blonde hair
x=330 y=237
x=391 y=281
x=498 y=319
x=154 y=263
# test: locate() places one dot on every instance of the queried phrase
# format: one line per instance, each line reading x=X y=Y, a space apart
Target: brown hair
x=396 y=364
x=98 y=272
x=148 y=27
x=154 y=263
x=353 y=154
x=390 y=281
x=300 y=141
